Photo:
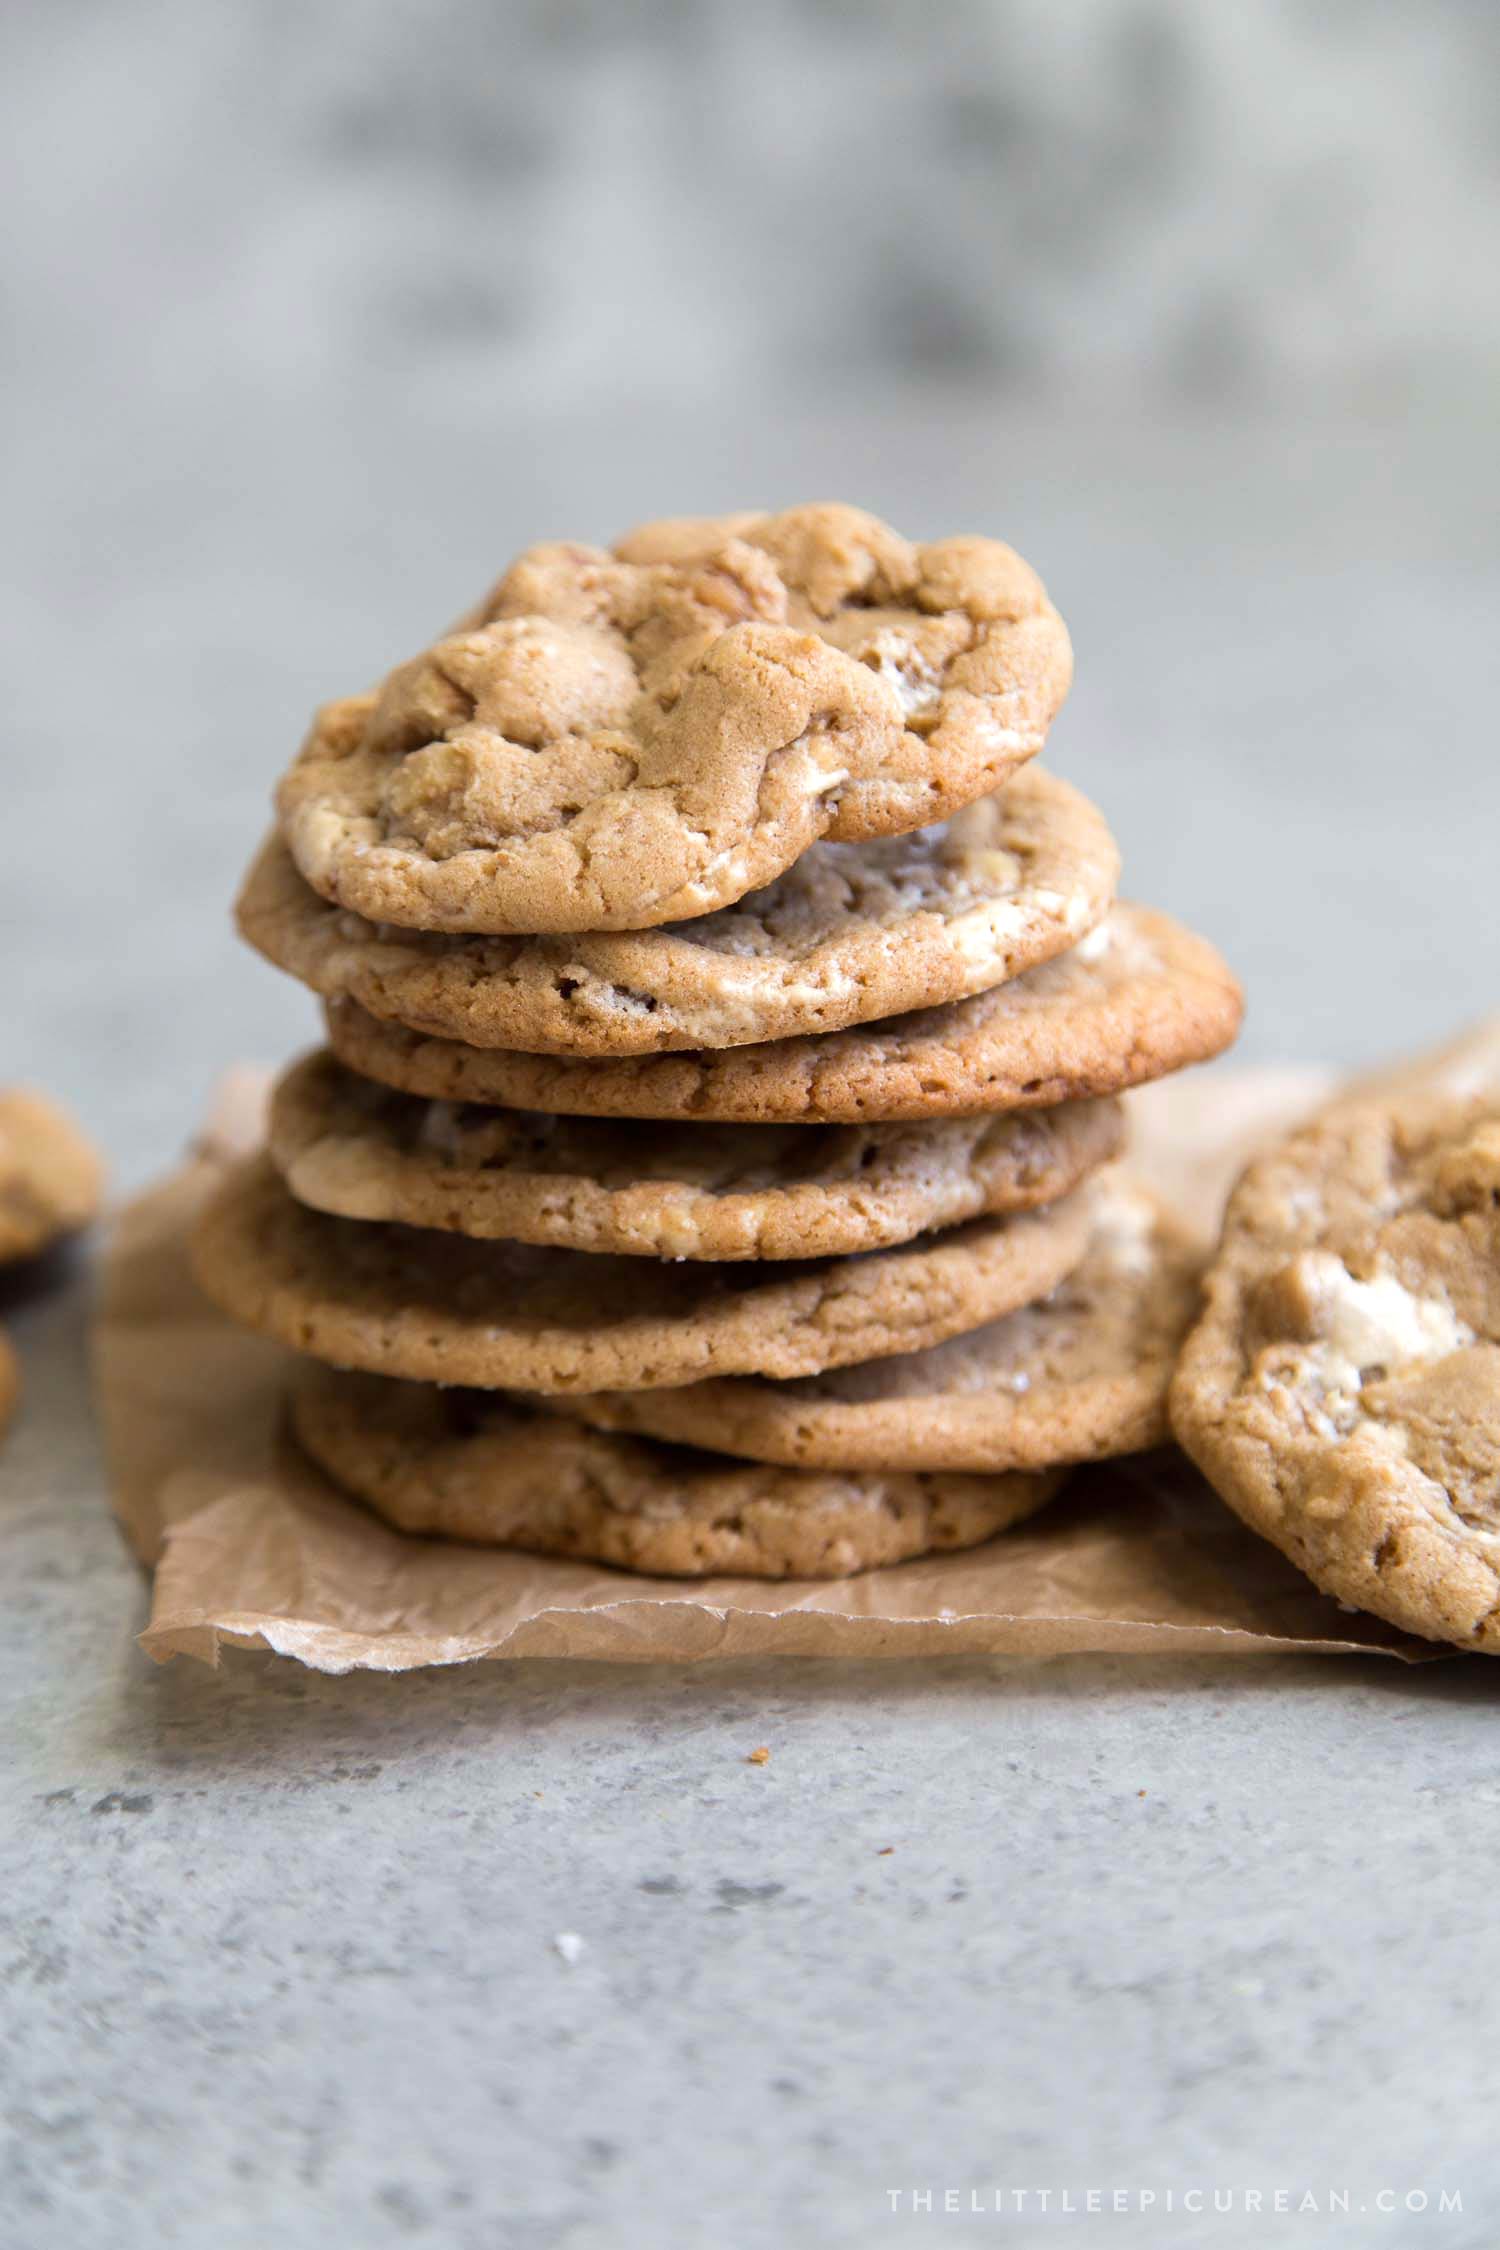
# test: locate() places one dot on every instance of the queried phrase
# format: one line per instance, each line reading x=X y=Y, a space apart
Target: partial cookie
x=50 y=1176
x=616 y=740
x=852 y=932
x=347 y=1146
x=10 y=1381
x=1079 y=1376
x=1139 y=997
x=439 y=1308
x=1462 y=1068
x=483 y=1467
x=1342 y=1390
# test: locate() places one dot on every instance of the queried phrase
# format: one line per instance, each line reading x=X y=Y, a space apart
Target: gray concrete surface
x=278 y=1953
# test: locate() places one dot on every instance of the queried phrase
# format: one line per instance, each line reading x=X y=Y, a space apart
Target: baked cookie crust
x=1342 y=1389
x=1138 y=998
x=850 y=933
x=620 y=738
x=354 y=1148
x=1081 y=1375
x=51 y=1177
x=508 y=1316
x=484 y=1467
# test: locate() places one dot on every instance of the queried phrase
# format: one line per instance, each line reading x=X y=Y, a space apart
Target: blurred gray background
x=316 y=311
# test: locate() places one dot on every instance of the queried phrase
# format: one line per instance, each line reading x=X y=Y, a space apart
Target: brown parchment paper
x=252 y=1547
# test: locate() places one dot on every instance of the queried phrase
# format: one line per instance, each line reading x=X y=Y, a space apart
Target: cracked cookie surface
x=851 y=933
x=621 y=738
x=51 y=1178
x=440 y=1308
x=485 y=1467
x=1342 y=1390
x=1138 y=998
x=354 y=1148
x=1080 y=1375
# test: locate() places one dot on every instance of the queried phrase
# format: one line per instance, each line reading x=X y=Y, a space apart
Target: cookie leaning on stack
x=725 y=1028
x=1342 y=1388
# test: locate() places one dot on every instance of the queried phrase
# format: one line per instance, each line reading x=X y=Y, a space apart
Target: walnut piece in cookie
x=620 y=738
x=51 y=1177
x=1342 y=1390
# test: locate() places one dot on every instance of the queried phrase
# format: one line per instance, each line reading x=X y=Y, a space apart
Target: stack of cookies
x=710 y=1164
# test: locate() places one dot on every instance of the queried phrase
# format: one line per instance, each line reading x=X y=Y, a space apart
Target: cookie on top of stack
x=710 y=1167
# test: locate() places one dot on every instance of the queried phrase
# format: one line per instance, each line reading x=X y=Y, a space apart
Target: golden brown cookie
x=51 y=1178
x=616 y=740
x=1138 y=998
x=348 y=1146
x=1078 y=1376
x=484 y=1467
x=1342 y=1390
x=440 y=1308
x=852 y=932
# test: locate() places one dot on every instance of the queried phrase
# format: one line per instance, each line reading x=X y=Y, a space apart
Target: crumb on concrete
x=760 y=1757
